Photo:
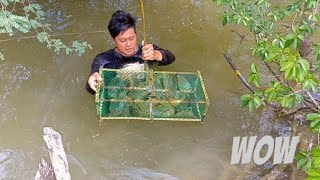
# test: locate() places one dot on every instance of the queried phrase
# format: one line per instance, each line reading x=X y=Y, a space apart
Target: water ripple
x=10 y=164
x=12 y=76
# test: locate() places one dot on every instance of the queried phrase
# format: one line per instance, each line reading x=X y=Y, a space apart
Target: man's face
x=126 y=42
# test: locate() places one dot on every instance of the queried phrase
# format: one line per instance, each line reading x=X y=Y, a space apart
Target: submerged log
x=58 y=169
x=45 y=171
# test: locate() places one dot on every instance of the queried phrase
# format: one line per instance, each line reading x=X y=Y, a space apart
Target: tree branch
x=242 y=37
x=272 y=71
x=236 y=70
x=243 y=80
x=294 y=112
x=313 y=100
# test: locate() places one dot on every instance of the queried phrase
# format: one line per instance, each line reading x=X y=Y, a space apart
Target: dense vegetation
x=284 y=45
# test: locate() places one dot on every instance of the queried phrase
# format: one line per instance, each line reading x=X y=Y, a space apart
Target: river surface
x=39 y=88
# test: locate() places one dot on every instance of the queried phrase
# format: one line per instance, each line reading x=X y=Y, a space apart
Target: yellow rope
x=143 y=22
x=144 y=31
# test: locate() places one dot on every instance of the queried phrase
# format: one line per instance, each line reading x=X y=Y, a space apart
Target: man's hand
x=93 y=81
x=148 y=53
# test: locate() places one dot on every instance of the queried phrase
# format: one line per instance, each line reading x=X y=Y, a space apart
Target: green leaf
x=257 y=101
x=284 y=102
x=252 y=101
x=260 y=2
x=310 y=83
x=296 y=72
x=254 y=78
x=313 y=173
x=224 y=21
x=309 y=165
x=295 y=30
x=68 y=51
x=1 y=56
x=272 y=56
x=290 y=36
x=296 y=43
x=313 y=116
x=299 y=98
x=315 y=152
x=301 y=37
x=245 y=100
x=254 y=68
x=314 y=125
x=289 y=74
x=246 y=97
x=36 y=6
x=4 y=2
x=43 y=37
x=302 y=163
x=304 y=64
x=287 y=65
x=290 y=101
x=288 y=43
x=316 y=163
x=301 y=155
x=251 y=106
x=272 y=96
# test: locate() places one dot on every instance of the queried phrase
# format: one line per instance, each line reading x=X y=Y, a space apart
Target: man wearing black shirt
x=127 y=54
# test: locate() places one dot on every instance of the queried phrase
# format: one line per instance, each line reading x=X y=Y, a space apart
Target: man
x=127 y=54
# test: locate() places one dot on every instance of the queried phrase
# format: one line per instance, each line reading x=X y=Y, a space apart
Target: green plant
x=26 y=17
x=290 y=55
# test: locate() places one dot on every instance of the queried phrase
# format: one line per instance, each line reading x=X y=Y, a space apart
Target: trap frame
x=151 y=95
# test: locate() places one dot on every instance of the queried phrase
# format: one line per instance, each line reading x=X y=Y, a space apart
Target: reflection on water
x=12 y=75
x=146 y=174
x=13 y=165
x=39 y=88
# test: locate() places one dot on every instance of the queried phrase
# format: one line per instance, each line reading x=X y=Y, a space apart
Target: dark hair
x=121 y=21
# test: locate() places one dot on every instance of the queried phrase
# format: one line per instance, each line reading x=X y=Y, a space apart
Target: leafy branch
x=287 y=57
x=24 y=17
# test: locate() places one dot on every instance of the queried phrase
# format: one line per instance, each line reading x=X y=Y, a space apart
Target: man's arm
x=95 y=77
x=167 y=56
x=155 y=53
x=99 y=61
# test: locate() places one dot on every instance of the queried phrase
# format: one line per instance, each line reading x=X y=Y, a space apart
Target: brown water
x=39 y=88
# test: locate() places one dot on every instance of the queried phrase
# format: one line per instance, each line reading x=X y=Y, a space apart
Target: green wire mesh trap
x=151 y=95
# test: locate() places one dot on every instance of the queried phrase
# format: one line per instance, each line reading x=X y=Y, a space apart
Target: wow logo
x=282 y=148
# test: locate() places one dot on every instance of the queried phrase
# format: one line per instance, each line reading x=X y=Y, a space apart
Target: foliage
x=310 y=162
x=24 y=17
x=278 y=45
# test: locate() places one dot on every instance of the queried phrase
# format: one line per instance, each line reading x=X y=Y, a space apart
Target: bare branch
x=236 y=70
x=313 y=100
x=243 y=80
x=272 y=71
x=242 y=37
x=296 y=111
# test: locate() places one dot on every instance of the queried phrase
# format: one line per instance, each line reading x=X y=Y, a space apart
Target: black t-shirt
x=113 y=60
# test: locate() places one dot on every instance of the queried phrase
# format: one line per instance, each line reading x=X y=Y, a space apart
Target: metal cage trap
x=151 y=95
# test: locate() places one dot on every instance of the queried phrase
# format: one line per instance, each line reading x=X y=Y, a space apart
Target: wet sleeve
x=99 y=61
x=167 y=56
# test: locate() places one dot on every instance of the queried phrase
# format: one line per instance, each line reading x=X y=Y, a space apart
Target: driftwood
x=58 y=169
